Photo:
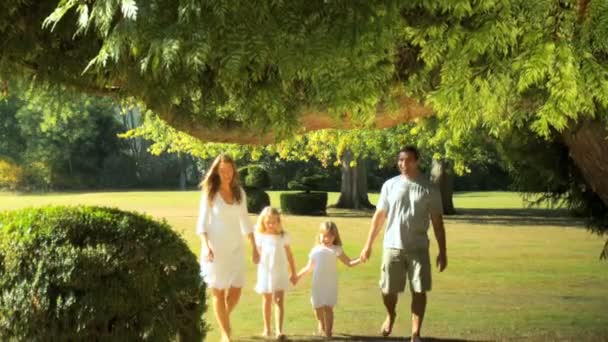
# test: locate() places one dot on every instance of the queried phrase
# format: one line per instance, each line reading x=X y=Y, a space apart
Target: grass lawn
x=512 y=274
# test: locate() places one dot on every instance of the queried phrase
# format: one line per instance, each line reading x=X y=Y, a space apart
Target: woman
x=221 y=223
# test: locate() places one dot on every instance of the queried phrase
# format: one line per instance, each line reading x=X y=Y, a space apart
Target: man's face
x=407 y=162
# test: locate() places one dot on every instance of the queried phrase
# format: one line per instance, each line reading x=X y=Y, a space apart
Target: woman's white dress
x=273 y=269
x=225 y=225
x=324 y=275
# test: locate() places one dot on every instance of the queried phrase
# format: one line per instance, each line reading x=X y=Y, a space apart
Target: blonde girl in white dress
x=222 y=222
x=276 y=268
x=322 y=262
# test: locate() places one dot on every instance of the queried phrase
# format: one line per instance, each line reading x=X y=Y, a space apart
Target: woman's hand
x=294 y=279
x=208 y=254
x=256 y=256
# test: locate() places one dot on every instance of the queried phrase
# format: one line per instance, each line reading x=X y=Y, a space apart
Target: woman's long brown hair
x=211 y=183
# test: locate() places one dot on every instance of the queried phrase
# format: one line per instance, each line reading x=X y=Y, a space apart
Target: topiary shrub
x=96 y=274
x=304 y=203
x=254 y=176
x=255 y=179
x=256 y=200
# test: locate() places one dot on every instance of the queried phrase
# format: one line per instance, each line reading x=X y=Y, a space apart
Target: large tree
x=251 y=72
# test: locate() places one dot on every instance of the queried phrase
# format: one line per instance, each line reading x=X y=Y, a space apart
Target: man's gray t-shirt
x=408 y=203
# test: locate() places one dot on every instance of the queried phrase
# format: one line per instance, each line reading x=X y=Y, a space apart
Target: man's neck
x=411 y=175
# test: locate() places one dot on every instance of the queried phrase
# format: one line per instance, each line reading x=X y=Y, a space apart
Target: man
x=406 y=203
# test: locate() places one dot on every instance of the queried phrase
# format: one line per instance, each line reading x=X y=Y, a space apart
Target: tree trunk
x=443 y=177
x=588 y=146
x=353 y=187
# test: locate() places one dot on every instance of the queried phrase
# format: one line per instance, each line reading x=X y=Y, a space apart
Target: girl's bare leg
x=266 y=311
x=280 y=312
x=329 y=320
x=320 y=315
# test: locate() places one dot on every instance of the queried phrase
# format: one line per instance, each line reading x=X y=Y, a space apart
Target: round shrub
x=254 y=176
x=96 y=274
x=304 y=203
x=256 y=200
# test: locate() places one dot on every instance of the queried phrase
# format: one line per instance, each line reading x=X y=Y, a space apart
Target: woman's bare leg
x=234 y=294
x=221 y=312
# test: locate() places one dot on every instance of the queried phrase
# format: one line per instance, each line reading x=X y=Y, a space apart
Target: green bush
x=256 y=200
x=304 y=203
x=254 y=176
x=96 y=274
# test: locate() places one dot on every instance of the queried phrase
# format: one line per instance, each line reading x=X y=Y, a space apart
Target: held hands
x=294 y=279
x=442 y=261
x=366 y=253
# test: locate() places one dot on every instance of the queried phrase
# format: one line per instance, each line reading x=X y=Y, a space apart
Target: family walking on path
x=407 y=205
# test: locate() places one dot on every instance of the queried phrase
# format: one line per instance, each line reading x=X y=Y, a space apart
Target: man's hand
x=366 y=253
x=442 y=261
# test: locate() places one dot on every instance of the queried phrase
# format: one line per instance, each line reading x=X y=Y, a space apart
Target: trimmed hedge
x=304 y=203
x=96 y=274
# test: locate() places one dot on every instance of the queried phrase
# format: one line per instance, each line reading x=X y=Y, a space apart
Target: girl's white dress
x=324 y=275
x=273 y=269
x=225 y=225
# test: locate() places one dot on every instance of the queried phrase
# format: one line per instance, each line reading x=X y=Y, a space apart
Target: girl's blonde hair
x=331 y=228
x=211 y=184
x=267 y=212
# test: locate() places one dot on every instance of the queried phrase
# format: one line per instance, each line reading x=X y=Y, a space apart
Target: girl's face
x=272 y=224
x=226 y=172
x=326 y=238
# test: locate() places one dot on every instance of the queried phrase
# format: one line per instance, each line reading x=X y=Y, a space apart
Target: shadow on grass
x=363 y=338
x=517 y=217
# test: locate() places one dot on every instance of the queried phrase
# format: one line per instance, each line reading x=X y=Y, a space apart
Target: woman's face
x=226 y=172
x=271 y=223
x=326 y=237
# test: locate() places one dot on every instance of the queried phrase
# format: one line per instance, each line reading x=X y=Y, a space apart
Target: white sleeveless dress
x=273 y=269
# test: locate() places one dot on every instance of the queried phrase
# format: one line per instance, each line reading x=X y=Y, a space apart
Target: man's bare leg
x=418 y=309
x=390 y=303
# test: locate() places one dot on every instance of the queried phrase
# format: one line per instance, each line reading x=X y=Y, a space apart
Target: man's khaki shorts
x=399 y=266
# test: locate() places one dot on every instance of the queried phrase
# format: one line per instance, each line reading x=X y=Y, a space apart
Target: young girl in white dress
x=322 y=262
x=276 y=268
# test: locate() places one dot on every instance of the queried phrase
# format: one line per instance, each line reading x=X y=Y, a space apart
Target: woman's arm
x=202 y=226
x=256 y=254
x=348 y=261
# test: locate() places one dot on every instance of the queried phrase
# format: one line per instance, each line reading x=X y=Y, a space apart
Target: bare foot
x=387 y=326
x=266 y=334
x=225 y=338
x=281 y=336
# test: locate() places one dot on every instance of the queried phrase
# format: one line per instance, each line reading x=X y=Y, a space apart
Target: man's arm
x=439 y=229
x=377 y=223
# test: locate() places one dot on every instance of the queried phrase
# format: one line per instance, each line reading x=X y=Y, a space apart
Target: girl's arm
x=348 y=261
x=307 y=269
x=292 y=264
